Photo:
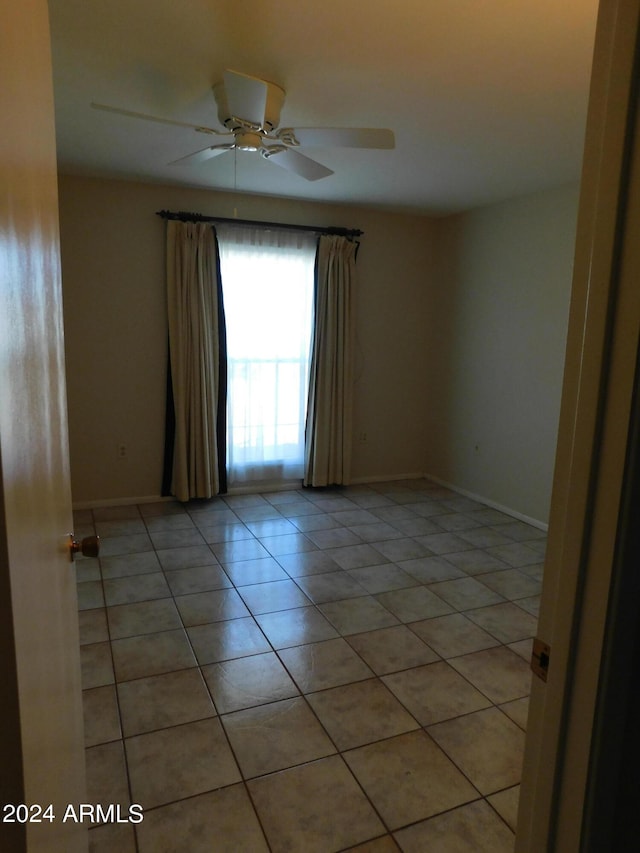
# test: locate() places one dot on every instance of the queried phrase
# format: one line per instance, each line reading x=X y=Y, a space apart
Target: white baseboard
x=385 y=478
x=527 y=519
x=297 y=484
x=265 y=488
x=147 y=499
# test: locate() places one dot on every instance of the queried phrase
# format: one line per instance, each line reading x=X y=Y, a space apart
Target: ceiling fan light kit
x=248 y=140
x=249 y=108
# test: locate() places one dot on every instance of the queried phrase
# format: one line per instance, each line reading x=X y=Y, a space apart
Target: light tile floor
x=313 y=670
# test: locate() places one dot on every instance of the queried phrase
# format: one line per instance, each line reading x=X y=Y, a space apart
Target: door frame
x=591 y=456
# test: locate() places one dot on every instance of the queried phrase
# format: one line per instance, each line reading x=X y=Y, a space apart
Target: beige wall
x=113 y=283
x=461 y=333
x=496 y=336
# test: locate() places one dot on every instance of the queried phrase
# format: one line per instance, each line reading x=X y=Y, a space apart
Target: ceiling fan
x=249 y=109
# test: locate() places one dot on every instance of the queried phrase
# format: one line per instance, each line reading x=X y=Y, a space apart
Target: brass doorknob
x=88 y=547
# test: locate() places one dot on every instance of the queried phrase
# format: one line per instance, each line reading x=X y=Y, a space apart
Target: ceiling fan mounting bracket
x=274 y=102
x=236 y=124
x=288 y=136
x=268 y=151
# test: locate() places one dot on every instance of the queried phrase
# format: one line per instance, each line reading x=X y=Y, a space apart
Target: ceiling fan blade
x=293 y=161
x=246 y=97
x=202 y=156
x=145 y=117
x=343 y=137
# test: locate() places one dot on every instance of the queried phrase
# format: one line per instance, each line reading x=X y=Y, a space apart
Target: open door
x=41 y=731
x=588 y=499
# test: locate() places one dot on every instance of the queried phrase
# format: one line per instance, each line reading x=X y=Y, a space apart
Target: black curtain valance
x=184 y=216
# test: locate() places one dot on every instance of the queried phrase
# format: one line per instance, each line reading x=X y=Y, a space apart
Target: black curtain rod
x=183 y=216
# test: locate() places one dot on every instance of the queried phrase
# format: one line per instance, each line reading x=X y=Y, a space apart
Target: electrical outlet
x=362 y=437
x=122 y=451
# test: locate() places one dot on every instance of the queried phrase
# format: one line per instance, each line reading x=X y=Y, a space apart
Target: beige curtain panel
x=329 y=409
x=192 y=292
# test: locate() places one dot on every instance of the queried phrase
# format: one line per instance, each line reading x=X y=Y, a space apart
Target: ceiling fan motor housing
x=275 y=100
x=247 y=140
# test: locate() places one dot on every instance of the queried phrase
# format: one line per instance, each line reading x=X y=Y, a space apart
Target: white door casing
x=602 y=345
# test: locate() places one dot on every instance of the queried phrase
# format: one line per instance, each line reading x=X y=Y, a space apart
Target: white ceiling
x=487 y=98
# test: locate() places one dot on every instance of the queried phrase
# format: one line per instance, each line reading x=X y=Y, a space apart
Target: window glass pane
x=267 y=281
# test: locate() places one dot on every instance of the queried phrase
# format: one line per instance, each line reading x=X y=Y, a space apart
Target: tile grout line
x=314 y=604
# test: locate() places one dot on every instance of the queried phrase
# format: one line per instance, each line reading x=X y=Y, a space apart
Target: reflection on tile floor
x=311 y=670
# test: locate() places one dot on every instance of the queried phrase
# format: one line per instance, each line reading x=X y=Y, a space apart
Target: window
x=267 y=282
